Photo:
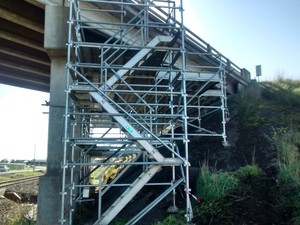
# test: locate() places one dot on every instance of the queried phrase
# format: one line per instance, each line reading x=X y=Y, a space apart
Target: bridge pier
x=49 y=200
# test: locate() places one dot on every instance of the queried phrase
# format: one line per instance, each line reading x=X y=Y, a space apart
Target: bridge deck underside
x=23 y=60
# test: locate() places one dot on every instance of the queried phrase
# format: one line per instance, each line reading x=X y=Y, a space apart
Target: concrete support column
x=50 y=184
x=49 y=198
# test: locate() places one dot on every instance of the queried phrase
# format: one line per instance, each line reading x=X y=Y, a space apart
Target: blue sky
x=251 y=32
x=248 y=32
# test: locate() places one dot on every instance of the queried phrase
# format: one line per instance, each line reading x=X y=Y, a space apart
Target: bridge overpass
x=126 y=78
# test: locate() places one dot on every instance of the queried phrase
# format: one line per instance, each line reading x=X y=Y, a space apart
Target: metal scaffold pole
x=63 y=193
x=189 y=212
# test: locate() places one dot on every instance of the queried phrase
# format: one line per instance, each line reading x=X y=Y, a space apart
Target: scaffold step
x=192 y=76
x=212 y=93
x=137 y=58
x=128 y=195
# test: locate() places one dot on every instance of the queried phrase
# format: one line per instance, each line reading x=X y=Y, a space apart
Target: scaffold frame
x=135 y=92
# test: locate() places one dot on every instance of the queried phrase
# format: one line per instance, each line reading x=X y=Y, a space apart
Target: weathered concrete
x=56 y=30
x=50 y=184
x=49 y=199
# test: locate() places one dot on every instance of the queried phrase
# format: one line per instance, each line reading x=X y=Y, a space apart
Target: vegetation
x=24 y=221
x=119 y=221
x=266 y=189
x=287 y=144
x=248 y=103
x=15 y=166
x=18 y=175
x=219 y=190
x=172 y=220
x=249 y=171
x=215 y=185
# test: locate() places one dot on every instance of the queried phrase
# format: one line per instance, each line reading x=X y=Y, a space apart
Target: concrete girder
x=20 y=20
x=36 y=3
x=21 y=40
x=23 y=68
x=24 y=56
x=51 y=2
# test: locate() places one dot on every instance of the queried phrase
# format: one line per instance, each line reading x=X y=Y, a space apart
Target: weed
x=248 y=103
x=287 y=142
x=284 y=91
x=212 y=186
x=24 y=221
x=172 y=220
x=249 y=171
x=119 y=221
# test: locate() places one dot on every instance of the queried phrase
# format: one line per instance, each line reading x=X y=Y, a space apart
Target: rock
x=13 y=196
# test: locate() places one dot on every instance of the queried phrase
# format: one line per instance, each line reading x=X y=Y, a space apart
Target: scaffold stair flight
x=152 y=152
x=129 y=193
x=137 y=58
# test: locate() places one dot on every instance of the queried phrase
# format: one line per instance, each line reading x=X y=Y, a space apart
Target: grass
x=16 y=166
x=218 y=190
x=213 y=188
x=286 y=139
x=119 y=221
x=172 y=220
x=287 y=142
x=279 y=97
x=248 y=103
x=24 y=221
x=215 y=185
x=18 y=175
x=253 y=171
x=284 y=91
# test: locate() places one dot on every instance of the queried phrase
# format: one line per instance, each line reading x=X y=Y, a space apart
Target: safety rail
x=199 y=43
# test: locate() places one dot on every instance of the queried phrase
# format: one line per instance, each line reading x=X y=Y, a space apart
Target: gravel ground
x=11 y=211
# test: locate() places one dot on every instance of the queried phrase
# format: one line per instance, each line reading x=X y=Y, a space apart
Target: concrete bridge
x=126 y=66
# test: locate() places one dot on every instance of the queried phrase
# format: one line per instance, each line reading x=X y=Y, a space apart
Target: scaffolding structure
x=139 y=86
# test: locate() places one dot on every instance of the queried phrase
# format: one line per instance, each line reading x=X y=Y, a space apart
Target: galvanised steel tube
x=189 y=212
x=66 y=117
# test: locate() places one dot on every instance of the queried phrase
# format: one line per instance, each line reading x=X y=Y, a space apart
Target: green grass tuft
x=249 y=171
x=215 y=185
x=172 y=220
